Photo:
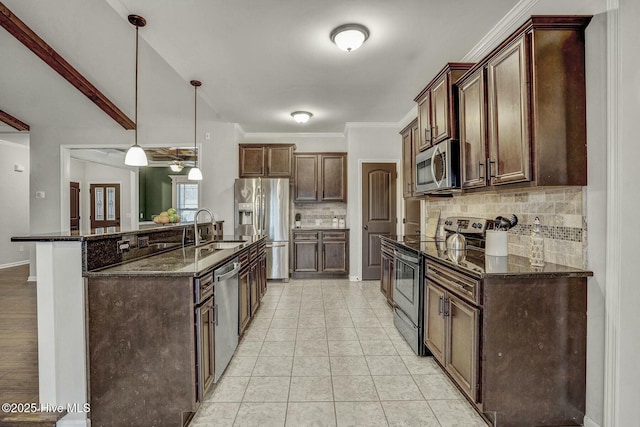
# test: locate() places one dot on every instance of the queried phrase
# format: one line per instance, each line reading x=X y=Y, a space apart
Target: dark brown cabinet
x=266 y=161
x=320 y=253
x=437 y=107
x=244 y=302
x=523 y=108
x=409 y=141
x=252 y=282
x=387 y=272
x=320 y=177
x=206 y=350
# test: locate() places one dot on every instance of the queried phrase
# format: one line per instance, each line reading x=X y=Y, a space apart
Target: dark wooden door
x=333 y=170
x=105 y=205
x=74 y=206
x=434 y=328
x=473 y=152
x=251 y=162
x=440 y=109
x=508 y=105
x=306 y=177
x=280 y=162
x=424 y=122
x=378 y=213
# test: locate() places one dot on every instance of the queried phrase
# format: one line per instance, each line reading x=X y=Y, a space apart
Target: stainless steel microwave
x=438 y=167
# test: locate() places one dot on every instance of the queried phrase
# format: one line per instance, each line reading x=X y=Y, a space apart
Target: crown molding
x=409 y=117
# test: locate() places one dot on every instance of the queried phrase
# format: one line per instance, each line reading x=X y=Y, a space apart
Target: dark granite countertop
x=187 y=261
x=476 y=263
x=319 y=229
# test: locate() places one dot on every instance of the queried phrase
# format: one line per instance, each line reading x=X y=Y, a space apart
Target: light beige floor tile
x=378 y=348
x=418 y=365
x=360 y=312
x=437 y=387
x=261 y=415
x=375 y=333
x=311 y=366
x=218 y=414
x=360 y=414
x=401 y=387
x=354 y=388
x=230 y=389
x=291 y=313
x=311 y=414
x=402 y=347
x=280 y=334
x=311 y=348
x=311 y=322
x=312 y=334
x=267 y=389
x=349 y=365
x=338 y=321
x=409 y=414
x=284 y=323
x=341 y=334
x=366 y=322
x=262 y=322
x=268 y=366
x=241 y=366
x=393 y=332
x=311 y=389
x=345 y=348
x=277 y=348
x=386 y=365
x=456 y=413
x=248 y=348
x=255 y=334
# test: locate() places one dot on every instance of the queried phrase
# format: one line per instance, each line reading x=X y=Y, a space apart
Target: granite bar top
x=319 y=229
x=188 y=261
x=477 y=264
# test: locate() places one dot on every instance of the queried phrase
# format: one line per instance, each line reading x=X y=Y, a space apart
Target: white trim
x=32 y=279
x=614 y=237
x=500 y=31
x=354 y=279
x=13 y=144
x=409 y=117
x=354 y=125
x=588 y=422
x=284 y=135
x=14 y=264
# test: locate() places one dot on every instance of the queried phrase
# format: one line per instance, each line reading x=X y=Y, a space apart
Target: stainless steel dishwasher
x=225 y=295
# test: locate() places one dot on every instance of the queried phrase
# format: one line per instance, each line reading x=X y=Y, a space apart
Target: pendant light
x=176 y=165
x=194 y=173
x=136 y=155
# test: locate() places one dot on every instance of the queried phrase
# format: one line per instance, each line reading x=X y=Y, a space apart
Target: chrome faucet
x=195 y=224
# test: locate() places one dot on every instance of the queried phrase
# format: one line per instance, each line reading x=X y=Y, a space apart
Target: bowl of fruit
x=170 y=216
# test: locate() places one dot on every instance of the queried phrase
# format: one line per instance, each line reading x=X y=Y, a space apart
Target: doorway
x=378 y=213
x=105 y=205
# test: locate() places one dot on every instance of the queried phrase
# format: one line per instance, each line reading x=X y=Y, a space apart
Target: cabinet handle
x=445 y=305
x=439 y=305
x=434 y=130
x=491 y=162
x=480 y=169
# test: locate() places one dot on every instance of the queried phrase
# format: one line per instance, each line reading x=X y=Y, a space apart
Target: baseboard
x=354 y=279
x=14 y=264
x=31 y=279
x=588 y=422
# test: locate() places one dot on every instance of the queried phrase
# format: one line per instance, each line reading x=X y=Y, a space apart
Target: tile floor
x=326 y=353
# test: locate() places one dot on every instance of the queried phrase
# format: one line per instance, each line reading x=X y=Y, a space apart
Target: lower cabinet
x=243 y=300
x=387 y=272
x=252 y=282
x=254 y=286
x=206 y=317
x=320 y=253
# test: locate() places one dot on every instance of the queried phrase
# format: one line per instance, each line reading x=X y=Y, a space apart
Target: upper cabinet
x=523 y=108
x=266 y=160
x=320 y=177
x=409 y=145
x=437 y=107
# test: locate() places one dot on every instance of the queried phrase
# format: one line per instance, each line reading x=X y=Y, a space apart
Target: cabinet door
x=280 y=162
x=407 y=163
x=305 y=256
x=386 y=276
x=508 y=113
x=254 y=287
x=440 y=109
x=263 y=275
x=434 y=328
x=306 y=178
x=206 y=356
x=472 y=132
x=334 y=256
x=251 y=162
x=424 y=123
x=462 y=353
x=333 y=171
x=243 y=300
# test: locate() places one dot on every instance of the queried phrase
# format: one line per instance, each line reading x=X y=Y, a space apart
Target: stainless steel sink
x=164 y=245
x=226 y=244
x=202 y=252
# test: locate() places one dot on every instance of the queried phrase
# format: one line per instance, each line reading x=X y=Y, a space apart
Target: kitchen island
x=124 y=300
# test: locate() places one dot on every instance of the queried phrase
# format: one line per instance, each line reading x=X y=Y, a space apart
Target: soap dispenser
x=536 y=253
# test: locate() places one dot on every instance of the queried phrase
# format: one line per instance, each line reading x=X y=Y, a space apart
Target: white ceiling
x=259 y=60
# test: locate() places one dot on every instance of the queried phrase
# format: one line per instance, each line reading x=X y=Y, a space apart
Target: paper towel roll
x=497 y=243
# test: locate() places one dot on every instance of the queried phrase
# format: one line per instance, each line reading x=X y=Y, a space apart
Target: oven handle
x=404 y=257
x=402 y=315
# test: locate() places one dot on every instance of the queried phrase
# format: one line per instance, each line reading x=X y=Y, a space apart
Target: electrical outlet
x=40 y=194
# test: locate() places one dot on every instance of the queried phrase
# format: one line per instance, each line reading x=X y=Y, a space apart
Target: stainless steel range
x=408 y=297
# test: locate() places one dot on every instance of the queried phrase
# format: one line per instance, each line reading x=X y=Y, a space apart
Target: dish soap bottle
x=334 y=222
x=536 y=254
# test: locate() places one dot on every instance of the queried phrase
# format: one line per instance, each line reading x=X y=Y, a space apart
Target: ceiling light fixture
x=301 y=116
x=195 y=174
x=176 y=165
x=349 y=36
x=135 y=155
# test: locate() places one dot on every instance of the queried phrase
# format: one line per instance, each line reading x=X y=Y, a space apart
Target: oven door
x=406 y=292
x=424 y=171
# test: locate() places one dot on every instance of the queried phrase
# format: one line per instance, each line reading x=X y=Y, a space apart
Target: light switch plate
x=39 y=194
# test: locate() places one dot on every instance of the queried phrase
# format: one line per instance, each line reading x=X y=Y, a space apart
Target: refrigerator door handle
x=280 y=245
x=264 y=213
x=256 y=209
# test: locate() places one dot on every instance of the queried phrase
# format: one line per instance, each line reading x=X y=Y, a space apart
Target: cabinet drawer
x=466 y=287
x=334 y=235
x=305 y=235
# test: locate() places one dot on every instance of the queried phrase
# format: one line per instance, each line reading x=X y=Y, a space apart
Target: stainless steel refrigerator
x=261 y=206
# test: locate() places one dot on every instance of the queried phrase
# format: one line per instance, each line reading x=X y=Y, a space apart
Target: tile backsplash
x=561 y=213
x=322 y=212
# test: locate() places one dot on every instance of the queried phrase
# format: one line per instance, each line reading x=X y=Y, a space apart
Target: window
x=185 y=197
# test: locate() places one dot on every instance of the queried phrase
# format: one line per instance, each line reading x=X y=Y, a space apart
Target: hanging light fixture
x=301 y=116
x=194 y=173
x=136 y=155
x=349 y=36
x=176 y=165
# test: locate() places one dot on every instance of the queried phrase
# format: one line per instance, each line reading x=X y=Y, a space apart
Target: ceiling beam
x=30 y=39
x=12 y=121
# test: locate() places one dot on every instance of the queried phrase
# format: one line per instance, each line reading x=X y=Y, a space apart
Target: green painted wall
x=155 y=190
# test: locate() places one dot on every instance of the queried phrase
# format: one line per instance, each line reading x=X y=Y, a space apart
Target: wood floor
x=18 y=337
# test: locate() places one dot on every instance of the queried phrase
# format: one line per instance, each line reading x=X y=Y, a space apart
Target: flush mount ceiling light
x=195 y=174
x=135 y=155
x=301 y=116
x=349 y=36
